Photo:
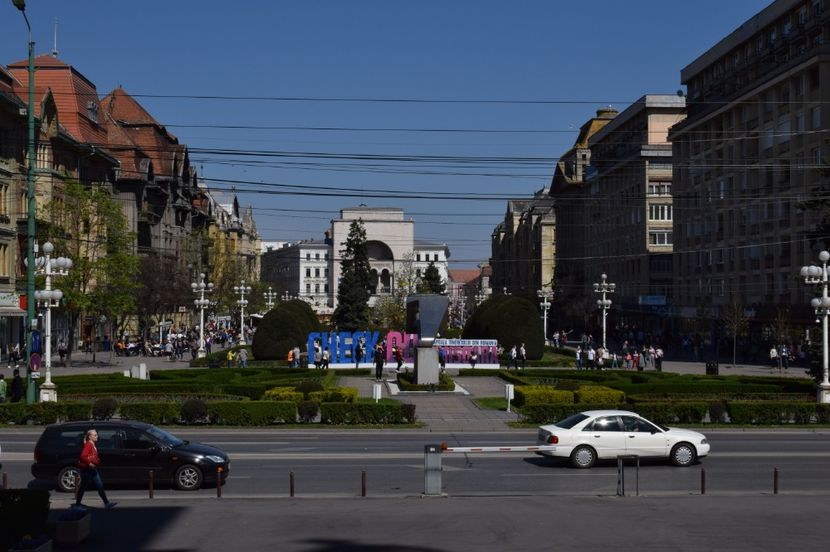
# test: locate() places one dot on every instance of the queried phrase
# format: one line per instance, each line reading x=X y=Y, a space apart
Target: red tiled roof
x=464 y=275
x=73 y=94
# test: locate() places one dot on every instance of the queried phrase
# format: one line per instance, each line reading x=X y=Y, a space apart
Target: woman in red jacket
x=89 y=462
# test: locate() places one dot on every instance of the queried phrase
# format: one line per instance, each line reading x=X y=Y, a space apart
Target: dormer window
x=92 y=111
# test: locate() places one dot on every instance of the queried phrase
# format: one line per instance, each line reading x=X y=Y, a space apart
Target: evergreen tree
x=352 y=312
x=431 y=281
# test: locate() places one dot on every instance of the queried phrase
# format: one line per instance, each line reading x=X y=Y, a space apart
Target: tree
x=88 y=225
x=388 y=313
x=352 y=312
x=406 y=277
x=163 y=286
x=431 y=281
x=735 y=323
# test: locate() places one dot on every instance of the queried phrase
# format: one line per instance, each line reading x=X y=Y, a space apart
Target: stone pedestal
x=427 y=368
x=823 y=394
x=48 y=392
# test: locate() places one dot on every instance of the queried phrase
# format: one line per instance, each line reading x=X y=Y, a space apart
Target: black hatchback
x=128 y=452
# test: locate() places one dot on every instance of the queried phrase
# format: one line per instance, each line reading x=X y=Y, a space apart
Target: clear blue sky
x=254 y=54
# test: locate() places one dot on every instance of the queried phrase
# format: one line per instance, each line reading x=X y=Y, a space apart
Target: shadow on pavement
x=125 y=530
x=337 y=545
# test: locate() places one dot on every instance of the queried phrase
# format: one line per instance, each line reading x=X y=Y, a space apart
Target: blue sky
x=480 y=58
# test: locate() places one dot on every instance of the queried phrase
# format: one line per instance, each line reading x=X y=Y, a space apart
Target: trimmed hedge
x=541 y=394
x=773 y=412
x=406 y=382
x=382 y=412
x=593 y=394
x=44 y=413
x=252 y=413
x=336 y=395
x=155 y=413
x=283 y=394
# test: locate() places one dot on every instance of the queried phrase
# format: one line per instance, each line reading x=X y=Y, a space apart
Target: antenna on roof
x=55 y=47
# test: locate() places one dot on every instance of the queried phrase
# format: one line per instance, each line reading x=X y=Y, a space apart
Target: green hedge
x=406 y=382
x=774 y=412
x=541 y=394
x=369 y=412
x=155 y=413
x=44 y=413
x=336 y=395
x=252 y=413
x=283 y=394
x=594 y=394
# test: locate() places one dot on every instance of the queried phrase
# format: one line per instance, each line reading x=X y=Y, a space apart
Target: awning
x=11 y=311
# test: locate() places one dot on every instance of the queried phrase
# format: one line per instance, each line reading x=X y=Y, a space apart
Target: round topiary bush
x=284 y=327
x=104 y=408
x=512 y=321
x=307 y=411
x=193 y=410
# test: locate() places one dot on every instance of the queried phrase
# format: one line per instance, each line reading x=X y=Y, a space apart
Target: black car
x=128 y=451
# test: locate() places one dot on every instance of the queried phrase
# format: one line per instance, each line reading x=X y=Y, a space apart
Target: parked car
x=128 y=451
x=596 y=434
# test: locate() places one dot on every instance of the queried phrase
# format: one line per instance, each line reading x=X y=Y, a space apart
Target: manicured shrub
x=307 y=411
x=408 y=412
x=104 y=408
x=307 y=387
x=541 y=394
x=193 y=411
x=592 y=394
x=682 y=412
x=285 y=326
x=511 y=320
x=338 y=394
x=152 y=413
x=368 y=412
x=252 y=413
x=283 y=394
x=406 y=382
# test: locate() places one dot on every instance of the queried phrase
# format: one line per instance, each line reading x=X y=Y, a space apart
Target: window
x=308 y=256
x=316 y=272
x=659 y=212
x=787 y=28
x=815 y=155
x=815 y=117
x=435 y=257
x=659 y=188
x=606 y=423
x=418 y=257
x=308 y=289
x=799 y=121
x=630 y=423
x=316 y=256
x=308 y=273
x=326 y=272
x=316 y=288
x=136 y=439
x=92 y=111
x=660 y=238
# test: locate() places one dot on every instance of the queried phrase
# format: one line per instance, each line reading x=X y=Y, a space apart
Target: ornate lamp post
x=200 y=288
x=544 y=294
x=604 y=304
x=241 y=290
x=480 y=297
x=48 y=299
x=818 y=276
x=270 y=296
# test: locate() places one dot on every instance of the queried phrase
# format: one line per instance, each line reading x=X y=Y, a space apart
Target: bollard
x=432 y=470
x=621 y=473
x=5 y=481
x=702 y=481
x=775 y=481
x=150 y=486
x=77 y=485
x=219 y=482
x=363 y=483
x=291 y=484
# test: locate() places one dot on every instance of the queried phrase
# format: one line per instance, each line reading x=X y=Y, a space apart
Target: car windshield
x=571 y=421
x=164 y=437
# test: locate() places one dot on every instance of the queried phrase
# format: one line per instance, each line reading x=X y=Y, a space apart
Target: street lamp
x=604 y=288
x=241 y=290
x=287 y=296
x=49 y=299
x=200 y=288
x=270 y=296
x=817 y=275
x=480 y=297
x=30 y=196
x=546 y=294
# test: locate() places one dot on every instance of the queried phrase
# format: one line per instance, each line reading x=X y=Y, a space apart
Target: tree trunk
x=734 y=348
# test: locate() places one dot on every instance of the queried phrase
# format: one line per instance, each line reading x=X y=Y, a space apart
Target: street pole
x=50 y=298
x=604 y=287
x=200 y=288
x=545 y=304
x=818 y=275
x=241 y=290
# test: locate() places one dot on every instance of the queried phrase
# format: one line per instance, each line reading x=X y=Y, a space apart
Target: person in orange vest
x=291 y=358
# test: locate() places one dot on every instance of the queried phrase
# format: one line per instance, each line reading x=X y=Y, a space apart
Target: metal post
x=432 y=470
x=775 y=481
x=291 y=484
x=703 y=481
x=150 y=488
x=219 y=482
x=363 y=483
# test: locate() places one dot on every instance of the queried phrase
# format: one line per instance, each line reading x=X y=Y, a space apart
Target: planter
x=44 y=546
x=72 y=528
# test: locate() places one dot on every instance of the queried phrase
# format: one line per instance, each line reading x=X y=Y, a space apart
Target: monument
x=424 y=315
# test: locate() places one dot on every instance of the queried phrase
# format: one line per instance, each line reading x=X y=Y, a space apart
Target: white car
x=596 y=434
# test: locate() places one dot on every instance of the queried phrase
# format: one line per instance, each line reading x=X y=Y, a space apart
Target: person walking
x=397 y=352
x=243 y=357
x=523 y=355
x=379 y=362
x=89 y=462
x=318 y=356
x=17 y=387
x=297 y=360
x=2 y=388
x=591 y=357
x=511 y=361
x=324 y=362
x=473 y=359
x=230 y=358
x=358 y=354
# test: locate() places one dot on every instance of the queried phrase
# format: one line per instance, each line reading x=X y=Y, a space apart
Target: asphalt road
x=492 y=501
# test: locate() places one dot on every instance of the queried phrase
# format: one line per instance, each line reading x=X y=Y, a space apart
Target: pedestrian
x=658 y=359
x=89 y=463
x=17 y=386
x=628 y=360
x=243 y=357
x=473 y=359
x=579 y=357
x=397 y=352
x=379 y=362
x=442 y=359
x=523 y=355
x=324 y=365
x=600 y=358
x=773 y=357
x=614 y=363
x=297 y=359
x=592 y=354
x=318 y=356
x=2 y=388
x=636 y=359
x=511 y=360
x=62 y=351
x=556 y=339
x=358 y=353
x=230 y=357
x=291 y=358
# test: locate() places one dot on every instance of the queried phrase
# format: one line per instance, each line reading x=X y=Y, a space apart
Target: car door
x=111 y=468
x=644 y=438
x=142 y=453
x=606 y=436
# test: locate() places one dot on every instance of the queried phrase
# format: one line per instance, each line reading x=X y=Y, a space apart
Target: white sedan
x=595 y=434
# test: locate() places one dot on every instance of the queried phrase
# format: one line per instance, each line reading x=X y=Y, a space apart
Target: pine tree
x=352 y=311
x=431 y=281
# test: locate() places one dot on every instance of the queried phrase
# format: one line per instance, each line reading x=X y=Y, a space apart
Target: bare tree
x=735 y=322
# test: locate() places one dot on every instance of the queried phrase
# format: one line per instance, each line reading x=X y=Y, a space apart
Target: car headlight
x=215 y=459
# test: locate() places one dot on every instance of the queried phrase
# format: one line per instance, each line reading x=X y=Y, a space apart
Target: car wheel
x=67 y=478
x=188 y=478
x=683 y=454
x=583 y=457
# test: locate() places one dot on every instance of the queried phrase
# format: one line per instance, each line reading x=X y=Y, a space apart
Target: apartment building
x=749 y=153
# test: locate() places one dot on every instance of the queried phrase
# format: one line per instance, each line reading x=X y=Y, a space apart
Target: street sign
x=34 y=363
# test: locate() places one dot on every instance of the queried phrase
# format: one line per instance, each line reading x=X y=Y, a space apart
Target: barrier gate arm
x=539 y=448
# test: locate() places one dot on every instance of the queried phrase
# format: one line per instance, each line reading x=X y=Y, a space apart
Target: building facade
x=749 y=155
